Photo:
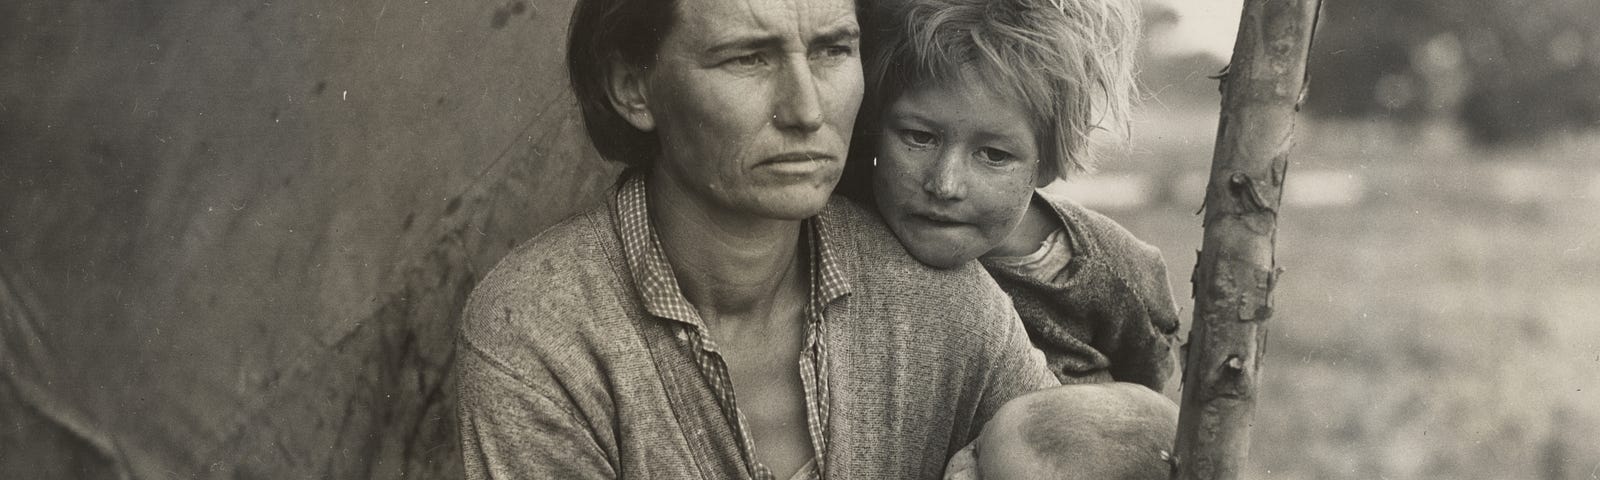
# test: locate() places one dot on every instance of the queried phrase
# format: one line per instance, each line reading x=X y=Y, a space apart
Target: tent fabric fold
x=235 y=239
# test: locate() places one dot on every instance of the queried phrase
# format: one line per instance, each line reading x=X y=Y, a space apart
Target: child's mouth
x=938 y=220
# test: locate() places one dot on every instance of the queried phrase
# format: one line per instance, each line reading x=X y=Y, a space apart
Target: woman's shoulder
x=564 y=254
x=876 y=256
x=888 y=282
x=548 y=290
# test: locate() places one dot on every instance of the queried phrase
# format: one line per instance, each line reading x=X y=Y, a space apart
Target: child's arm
x=1143 y=352
x=1129 y=303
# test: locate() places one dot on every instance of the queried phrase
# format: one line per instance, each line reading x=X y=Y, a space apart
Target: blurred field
x=1436 y=317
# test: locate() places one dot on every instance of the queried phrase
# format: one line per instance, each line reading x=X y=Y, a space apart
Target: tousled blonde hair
x=1069 y=62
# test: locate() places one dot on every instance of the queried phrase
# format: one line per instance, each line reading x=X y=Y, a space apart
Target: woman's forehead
x=712 y=22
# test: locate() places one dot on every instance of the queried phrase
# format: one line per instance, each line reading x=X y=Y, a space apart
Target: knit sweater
x=1109 y=314
x=563 y=374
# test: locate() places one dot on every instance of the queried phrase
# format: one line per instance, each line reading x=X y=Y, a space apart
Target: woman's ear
x=628 y=88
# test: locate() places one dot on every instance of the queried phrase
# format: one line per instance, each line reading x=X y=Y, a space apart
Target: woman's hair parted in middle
x=1069 y=62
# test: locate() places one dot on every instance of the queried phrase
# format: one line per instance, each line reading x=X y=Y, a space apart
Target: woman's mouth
x=797 y=163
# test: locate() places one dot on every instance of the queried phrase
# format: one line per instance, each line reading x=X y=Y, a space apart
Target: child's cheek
x=1004 y=204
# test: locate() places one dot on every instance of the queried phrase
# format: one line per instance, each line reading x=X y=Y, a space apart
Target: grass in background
x=1441 y=327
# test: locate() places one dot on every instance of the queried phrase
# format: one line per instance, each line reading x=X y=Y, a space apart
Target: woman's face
x=955 y=170
x=754 y=101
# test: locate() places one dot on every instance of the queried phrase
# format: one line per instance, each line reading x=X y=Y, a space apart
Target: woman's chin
x=791 y=202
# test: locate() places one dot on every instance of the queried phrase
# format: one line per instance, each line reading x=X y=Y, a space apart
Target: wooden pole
x=1233 y=279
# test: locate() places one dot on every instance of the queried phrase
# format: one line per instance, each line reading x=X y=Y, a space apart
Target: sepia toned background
x=234 y=238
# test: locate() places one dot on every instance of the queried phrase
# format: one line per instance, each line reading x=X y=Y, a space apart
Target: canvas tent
x=235 y=237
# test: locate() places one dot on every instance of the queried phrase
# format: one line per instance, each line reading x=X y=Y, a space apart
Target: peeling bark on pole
x=1234 y=277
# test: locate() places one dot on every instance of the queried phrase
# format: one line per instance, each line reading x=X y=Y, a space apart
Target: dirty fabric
x=561 y=355
x=1104 y=314
x=661 y=296
x=235 y=237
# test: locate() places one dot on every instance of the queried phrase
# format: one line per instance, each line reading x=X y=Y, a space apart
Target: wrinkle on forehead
x=800 y=18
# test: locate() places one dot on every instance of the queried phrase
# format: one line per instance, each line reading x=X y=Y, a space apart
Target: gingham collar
x=659 y=288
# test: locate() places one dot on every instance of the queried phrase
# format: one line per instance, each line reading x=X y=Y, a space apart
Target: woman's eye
x=918 y=138
x=995 y=156
x=747 y=61
x=835 y=51
x=832 y=55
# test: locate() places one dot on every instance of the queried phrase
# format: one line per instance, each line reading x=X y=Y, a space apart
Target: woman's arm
x=1016 y=368
x=509 y=429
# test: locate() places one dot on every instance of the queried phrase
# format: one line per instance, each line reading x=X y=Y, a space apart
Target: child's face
x=956 y=167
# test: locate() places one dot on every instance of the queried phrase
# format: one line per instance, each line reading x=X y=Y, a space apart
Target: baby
x=971 y=106
x=1109 y=431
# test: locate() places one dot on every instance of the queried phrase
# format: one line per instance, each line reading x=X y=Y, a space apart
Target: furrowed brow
x=751 y=43
x=841 y=34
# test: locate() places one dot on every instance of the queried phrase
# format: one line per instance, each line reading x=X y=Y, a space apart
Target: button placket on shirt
x=665 y=300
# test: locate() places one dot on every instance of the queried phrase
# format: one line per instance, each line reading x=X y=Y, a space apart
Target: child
x=1112 y=431
x=974 y=104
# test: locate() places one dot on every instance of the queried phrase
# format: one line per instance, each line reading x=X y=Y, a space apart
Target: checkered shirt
x=663 y=299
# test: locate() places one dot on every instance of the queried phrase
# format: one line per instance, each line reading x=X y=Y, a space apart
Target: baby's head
x=1110 y=431
x=971 y=104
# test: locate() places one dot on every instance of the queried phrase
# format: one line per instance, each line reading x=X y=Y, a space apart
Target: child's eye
x=918 y=138
x=995 y=156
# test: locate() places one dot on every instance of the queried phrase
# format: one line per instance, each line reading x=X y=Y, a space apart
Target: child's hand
x=964 y=465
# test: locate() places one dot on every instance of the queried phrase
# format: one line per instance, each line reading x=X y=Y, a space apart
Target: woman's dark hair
x=629 y=31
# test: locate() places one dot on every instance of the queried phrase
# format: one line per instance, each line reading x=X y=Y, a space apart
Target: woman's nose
x=799 y=104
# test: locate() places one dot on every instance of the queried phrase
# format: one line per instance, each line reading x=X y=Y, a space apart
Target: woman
x=720 y=316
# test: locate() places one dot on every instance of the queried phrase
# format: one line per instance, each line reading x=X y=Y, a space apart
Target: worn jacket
x=563 y=374
x=1109 y=315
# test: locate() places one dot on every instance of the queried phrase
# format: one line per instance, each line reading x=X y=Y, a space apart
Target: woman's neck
x=729 y=265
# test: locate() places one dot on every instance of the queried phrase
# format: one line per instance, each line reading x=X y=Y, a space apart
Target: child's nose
x=944 y=182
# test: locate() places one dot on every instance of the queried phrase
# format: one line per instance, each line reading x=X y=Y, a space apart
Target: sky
x=1203 y=26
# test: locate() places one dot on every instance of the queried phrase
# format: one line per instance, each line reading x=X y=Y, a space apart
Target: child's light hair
x=1069 y=62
